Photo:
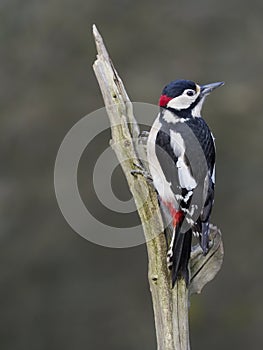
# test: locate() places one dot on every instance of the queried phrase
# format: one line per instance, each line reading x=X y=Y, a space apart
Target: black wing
x=205 y=138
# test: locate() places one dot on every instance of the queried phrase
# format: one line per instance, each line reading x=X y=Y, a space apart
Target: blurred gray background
x=59 y=291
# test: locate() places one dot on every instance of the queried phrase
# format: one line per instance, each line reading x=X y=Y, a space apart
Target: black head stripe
x=177 y=87
x=185 y=113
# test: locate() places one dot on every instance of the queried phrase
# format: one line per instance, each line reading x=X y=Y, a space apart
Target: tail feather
x=179 y=254
x=204 y=239
x=184 y=268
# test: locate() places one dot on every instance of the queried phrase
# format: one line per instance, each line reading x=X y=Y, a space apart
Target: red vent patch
x=177 y=215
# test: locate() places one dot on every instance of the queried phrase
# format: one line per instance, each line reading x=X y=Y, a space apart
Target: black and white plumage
x=181 y=157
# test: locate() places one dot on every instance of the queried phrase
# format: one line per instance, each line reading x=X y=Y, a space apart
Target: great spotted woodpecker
x=181 y=157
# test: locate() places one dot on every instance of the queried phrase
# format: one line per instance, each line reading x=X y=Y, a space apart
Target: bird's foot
x=141 y=171
x=143 y=137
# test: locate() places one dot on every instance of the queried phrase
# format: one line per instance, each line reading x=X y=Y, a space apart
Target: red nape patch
x=177 y=215
x=164 y=100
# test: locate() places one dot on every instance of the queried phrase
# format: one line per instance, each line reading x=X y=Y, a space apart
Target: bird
x=181 y=160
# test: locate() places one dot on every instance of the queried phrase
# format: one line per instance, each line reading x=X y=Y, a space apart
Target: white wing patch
x=183 y=101
x=186 y=179
x=177 y=143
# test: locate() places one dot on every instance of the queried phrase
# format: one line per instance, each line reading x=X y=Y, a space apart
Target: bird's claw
x=141 y=171
x=143 y=137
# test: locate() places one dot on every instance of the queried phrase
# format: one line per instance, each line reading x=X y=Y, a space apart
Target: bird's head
x=185 y=95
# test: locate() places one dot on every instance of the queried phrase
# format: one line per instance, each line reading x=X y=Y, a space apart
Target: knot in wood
x=127 y=143
x=154 y=278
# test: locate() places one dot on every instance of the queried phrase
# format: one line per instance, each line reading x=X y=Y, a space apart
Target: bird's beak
x=208 y=88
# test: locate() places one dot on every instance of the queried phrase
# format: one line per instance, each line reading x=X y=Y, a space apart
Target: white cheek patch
x=183 y=101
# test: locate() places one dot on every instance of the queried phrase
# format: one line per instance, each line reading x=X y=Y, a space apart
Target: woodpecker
x=181 y=158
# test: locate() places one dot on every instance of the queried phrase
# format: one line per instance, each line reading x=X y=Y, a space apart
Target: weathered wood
x=170 y=305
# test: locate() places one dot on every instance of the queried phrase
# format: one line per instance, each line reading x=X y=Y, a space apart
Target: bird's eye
x=190 y=93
